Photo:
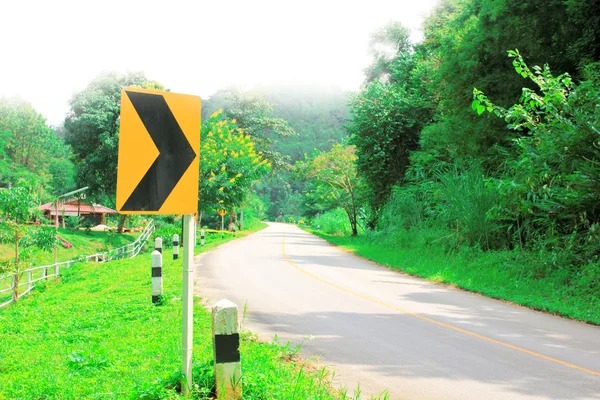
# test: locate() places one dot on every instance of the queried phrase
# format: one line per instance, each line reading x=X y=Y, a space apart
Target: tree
x=229 y=164
x=92 y=130
x=254 y=115
x=385 y=45
x=17 y=206
x=27 y=145
x=333 y=182
x=386 y=120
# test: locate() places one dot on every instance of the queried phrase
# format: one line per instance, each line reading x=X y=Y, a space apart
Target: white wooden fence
x=36 y=274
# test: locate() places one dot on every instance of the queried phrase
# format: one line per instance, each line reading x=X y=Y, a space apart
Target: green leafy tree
x=92 y=130
x=251 y=112
x=386 y=45
x=17 y=206
x=28 y=147
x=386 y=120
x=333 y=182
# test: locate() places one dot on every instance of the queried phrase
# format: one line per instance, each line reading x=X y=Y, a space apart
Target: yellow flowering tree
x=229 y=163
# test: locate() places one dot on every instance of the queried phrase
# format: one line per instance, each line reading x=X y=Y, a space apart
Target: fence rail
x=43 y=272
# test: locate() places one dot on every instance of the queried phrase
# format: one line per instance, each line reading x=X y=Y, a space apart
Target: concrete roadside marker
x=157 y=284
x=175 y=246
x=226 y=345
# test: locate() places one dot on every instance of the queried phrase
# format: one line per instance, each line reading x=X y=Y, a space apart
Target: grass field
x=508 y=275
x=94 y=334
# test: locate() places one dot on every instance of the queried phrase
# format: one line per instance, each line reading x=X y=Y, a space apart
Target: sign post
x=222 y=214
x=157 y=173
x=188 y=303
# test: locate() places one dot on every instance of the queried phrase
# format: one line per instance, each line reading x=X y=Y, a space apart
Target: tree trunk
x=352 y=219
x=15 y=294
x=122 y=223
x=200 y=219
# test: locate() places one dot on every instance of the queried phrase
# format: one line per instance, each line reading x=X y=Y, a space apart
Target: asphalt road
x=386 y=330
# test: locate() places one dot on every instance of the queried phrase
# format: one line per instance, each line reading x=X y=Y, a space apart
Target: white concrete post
x=187 y=304
x=226 y=344
x=175 y=246
x=202 y=237
x=28 y=281
x=157 y=283
x=158 y=244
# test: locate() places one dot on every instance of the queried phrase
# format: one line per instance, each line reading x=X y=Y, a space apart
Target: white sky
x=53 y=48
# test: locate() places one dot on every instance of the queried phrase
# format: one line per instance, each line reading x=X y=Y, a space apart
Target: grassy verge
x=95 y=335
x=511 y=275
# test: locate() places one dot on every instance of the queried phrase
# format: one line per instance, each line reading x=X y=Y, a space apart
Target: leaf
x=480 y=109
x=475 y=104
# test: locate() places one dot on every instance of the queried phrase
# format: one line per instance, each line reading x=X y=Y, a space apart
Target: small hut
x=76 y=207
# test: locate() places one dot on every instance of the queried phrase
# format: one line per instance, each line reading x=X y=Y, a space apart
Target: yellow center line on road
x=454 y=328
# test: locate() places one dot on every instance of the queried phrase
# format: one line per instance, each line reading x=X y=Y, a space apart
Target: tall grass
x=467 y=200
x=334 y=222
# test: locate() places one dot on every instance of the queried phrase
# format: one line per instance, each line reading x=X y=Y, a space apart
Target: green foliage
x=92 y=130
x=552 y=180
x=466 y=199
x=332 y=222
x=17 y=206
x=29 y=148
x=332 y=182
x=316 y=114
x=386 y=121
x=229 y=164
x=254 y=114
x=72 y=223
x=386 y=45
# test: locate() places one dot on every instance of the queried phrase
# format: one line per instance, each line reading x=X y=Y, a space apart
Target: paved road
x=387 y=330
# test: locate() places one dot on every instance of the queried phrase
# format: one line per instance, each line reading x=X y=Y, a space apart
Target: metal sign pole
x=188 y=303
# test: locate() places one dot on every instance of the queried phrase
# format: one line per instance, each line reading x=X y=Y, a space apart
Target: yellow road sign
x=159 y=142
x=222 y=212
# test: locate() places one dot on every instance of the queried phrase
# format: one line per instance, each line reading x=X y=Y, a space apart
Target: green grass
x=84 y=243
x=517 y=276
x=94 y=334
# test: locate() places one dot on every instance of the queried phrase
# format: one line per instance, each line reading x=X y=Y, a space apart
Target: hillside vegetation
x=476 y=154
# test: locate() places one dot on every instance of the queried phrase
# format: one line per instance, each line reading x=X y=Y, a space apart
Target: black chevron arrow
x=174 y=158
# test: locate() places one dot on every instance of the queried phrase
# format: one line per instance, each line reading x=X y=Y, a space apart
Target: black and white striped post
x=175 y=246
x=157 y=284
x=226 y=344
x=202 y=237
x=158 y=244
